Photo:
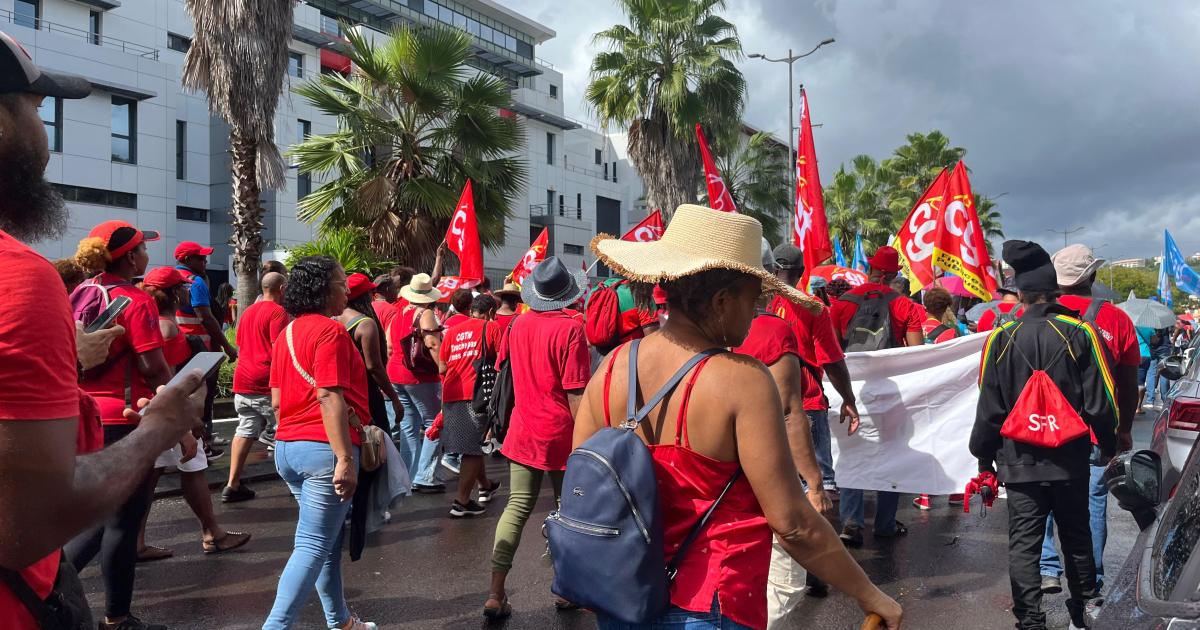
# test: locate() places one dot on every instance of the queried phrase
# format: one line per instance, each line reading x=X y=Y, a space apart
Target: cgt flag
x=650 y=229
x=917 y=237
x=462 y=237
x=1184 y=277
x=718 y=193
x=535 y=255
x=810 y=230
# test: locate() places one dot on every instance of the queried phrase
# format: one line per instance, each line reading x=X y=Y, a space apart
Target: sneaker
x=922 y=502
x=956 y=499
x=852 y=535
x=357 y=624
x=218 y=440
x=485 y=495
x=1051 y=585
x=420 y=488
x=212 y=453
x=1083 y=614
x=238 y=494
x=458 y=510
x=131 y=623
x=267 y=438
x=451 y=463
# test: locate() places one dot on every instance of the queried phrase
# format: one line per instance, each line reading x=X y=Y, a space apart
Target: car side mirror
x=1172 y=368
x=1135 y=479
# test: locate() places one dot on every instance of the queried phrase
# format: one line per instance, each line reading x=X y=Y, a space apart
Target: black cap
x=788 y=256
x=1034 y=271
x=18 y=74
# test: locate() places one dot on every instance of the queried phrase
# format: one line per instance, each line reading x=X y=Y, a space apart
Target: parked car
x=1178 y=425
x=1158 y=588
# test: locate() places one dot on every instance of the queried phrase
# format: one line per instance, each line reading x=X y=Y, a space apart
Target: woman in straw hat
x=710 y=267
x=419 y=391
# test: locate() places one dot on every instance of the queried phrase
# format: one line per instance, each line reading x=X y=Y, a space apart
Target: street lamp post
x=789 y=60
x=1067 y=233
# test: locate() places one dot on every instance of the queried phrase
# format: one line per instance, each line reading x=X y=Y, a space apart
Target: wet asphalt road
x=426 y=571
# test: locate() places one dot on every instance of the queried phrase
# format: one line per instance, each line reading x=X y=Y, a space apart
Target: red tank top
x=176 y=350
x=731 y=556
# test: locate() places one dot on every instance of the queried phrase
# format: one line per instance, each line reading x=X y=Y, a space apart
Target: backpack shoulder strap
x=936 y=332
x=677 y=559
x=634 y=416
x=37 y=608
x=355 y=322
x=1092 y=311
x=852 y=298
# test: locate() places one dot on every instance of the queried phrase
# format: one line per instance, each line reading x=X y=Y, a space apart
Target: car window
x=1178 y=534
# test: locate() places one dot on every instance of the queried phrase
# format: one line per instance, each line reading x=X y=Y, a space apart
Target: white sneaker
x=358 y=624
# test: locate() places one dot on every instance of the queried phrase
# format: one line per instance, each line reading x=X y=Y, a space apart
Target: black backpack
x=938 y=332
x=503 y=396
x=871 y=326
x=485 y=377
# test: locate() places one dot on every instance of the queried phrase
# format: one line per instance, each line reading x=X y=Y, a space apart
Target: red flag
x=463 y=237
x=718 y=193
x=535 y=255
x=917 y=237
x=961 y=247
x=650 y=229
x=811 y=230
x=449 y=284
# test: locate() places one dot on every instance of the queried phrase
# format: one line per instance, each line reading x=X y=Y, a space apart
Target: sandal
x=898 y=532
x=228 y=542
x=150 y=553
x=563 y=605
x=501 y=611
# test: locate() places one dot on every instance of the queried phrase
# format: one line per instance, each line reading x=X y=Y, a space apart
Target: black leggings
x=115 y=540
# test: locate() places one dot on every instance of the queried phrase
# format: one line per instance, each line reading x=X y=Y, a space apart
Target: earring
x=724 y=337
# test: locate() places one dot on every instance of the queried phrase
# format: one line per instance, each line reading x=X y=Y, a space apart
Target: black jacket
x=1082 y=374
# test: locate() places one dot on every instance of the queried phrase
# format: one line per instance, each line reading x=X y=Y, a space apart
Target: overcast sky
x=1083 y=113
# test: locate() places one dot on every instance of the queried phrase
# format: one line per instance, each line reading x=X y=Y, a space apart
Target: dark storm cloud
x=1084 y=113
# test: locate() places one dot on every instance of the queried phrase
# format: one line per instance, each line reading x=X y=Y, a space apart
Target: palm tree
x=860 y=200
x=414 y=123
x=989 y=220
x=755 y=172
x=919 y=162
x=668 y=69
x=239 y=57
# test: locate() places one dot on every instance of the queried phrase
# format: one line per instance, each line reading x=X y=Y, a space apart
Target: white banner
x=917 y=407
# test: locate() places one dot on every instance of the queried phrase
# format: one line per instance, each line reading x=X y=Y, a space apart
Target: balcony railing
x=555 y=210
x=97 y=39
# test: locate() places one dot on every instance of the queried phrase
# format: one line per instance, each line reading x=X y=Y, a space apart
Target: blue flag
x=838 y=257
x=1164 y=284
x=860 y=255
x=1176 y=270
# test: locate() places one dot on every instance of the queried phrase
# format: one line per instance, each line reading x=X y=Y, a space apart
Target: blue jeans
x=818 y=422
x=852 y=509
x=421 y=406
x=316 y=560
x=1051 y=564
x=676 y=618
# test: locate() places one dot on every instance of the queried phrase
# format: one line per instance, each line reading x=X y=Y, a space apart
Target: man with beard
x=51 y=492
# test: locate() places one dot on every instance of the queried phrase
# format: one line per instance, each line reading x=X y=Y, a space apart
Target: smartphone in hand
x=106 y=317
x=206 y=362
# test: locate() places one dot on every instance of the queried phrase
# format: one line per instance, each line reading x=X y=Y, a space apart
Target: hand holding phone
x=106 y=317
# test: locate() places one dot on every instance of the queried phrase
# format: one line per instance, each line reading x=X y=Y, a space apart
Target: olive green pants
x=524 y=484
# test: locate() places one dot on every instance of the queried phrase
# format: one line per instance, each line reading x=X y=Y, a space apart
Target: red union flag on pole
x=917 y=237
x=650 y=229
x=535 y=255
x=462 y=237
x=810 y=231
x=961 y=247
x=718 y=193
x=449 y=284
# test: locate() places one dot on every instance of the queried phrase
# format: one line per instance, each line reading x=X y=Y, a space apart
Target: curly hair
x=461 y=301
x=936 y=301
x=92 y=254
x=693 y=294
x=308 y=285
x=71 y=273
x=483 y=303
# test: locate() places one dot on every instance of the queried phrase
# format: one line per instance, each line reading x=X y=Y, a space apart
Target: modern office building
x=143 y=150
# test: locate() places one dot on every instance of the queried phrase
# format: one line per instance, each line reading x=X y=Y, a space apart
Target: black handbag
x=66 y=608
x=485 y=378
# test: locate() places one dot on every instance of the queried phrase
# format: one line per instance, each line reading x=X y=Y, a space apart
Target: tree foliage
x=755 y=172
x=347 y=245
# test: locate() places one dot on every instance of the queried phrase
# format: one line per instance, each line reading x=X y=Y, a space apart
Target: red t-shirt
x=37 y=367
x=385 y=311
x=1114 y=327
x=548 y=355
x=819 y=346
x=142 y=335
x=257 y=332
x=460 y=348
x=402 y=327
x=454 y=320
x=769 y=340
x=907 y=316
x=930 y=324
x=503 y=320
x=987 y=321
x=325 y=350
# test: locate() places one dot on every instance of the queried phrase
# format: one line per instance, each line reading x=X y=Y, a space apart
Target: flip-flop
x=230 y=541
x=503 y=611
x=152 y=553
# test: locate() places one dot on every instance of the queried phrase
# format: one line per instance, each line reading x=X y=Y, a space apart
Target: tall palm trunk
x=669 y=167
x=247 y=214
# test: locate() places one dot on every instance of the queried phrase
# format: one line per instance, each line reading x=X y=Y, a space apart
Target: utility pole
x=1067 y=233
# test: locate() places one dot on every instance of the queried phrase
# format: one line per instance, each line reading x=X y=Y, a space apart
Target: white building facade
x=142 y=150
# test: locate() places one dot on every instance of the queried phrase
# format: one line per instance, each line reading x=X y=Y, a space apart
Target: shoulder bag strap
x=355 y=322
x=1092 y=311
x=673 y=565
x=37 y=608
x=633 y=415
x=287 y=332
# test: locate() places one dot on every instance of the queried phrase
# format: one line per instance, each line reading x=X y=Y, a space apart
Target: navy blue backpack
x=606 y=538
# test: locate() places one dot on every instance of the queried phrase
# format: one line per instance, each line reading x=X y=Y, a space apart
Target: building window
x=572 y=249
x=549 y=202
x=27 y=13
x=96 y=196
x=124 y=130
x=180 y=149
x=549 y=148
x=296 y=64
x=178 y=42
x=606 y=171
x=51 y=113
x=614 y=171
x=303 y=180
x=184 y=213
x=553 y=91
x=330 y=25
x=94 y=27
x=599 y=157
x=562 y=206
x=579 y=206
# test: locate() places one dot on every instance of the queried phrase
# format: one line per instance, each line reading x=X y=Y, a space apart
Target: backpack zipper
x=586 y=528
x=637 y=515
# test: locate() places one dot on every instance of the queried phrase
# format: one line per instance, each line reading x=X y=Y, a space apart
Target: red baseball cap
x=359 y=284
x=886 y=259
x=189 y=248
x=165 y=278
x=120 y=237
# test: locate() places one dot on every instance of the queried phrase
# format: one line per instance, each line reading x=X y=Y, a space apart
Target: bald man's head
x=272 y=286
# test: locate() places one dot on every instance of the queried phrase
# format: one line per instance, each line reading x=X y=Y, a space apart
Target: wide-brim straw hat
x=698 y=239
x=420 y=290
x=510 y=288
